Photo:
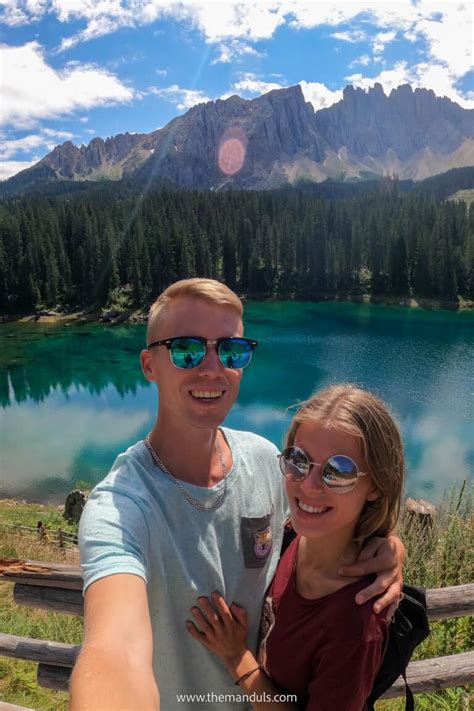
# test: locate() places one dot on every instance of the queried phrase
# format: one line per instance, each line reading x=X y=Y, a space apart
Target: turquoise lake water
x=72 y=397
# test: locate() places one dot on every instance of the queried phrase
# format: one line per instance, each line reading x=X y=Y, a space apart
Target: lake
x=72 y=397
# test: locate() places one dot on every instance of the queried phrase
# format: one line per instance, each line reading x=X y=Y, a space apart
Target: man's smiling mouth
x=207 y=394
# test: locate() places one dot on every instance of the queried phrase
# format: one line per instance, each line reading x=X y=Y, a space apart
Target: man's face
x=197 y=397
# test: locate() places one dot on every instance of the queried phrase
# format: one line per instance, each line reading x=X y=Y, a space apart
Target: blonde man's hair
x=358 y=412
x=210 y=290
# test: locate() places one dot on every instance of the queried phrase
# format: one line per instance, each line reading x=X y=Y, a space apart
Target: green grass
x=437 y=556
x=18 y=683
x=18 y=678
x=28 y=514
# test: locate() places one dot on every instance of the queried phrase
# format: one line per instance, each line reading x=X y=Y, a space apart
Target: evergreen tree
x=399 y=266
x=77 y=248
x=28 y=292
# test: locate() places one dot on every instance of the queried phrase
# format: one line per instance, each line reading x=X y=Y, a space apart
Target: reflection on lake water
x=72 y=397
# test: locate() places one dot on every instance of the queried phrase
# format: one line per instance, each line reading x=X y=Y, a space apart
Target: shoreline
x=114 y=316
x=13 y=503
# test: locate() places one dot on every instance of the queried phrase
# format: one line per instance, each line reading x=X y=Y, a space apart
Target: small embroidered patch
x=257 y=540
x=263 y=542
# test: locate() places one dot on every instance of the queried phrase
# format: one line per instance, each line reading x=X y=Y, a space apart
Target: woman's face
x=316 y=511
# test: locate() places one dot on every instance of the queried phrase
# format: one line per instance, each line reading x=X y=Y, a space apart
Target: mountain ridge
x=277 y=139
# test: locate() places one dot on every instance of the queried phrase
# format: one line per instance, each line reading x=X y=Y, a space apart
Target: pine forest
x=81 y=249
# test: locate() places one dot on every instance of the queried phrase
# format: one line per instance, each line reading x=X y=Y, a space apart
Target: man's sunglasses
x=190 y=351
x=338 y=473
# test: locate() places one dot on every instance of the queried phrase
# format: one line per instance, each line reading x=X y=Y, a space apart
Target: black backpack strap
x=289 y=534
x=409 y=700
x=409 y=627
x=406 y=626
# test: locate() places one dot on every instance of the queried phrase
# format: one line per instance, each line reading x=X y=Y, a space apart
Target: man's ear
x=147 y=365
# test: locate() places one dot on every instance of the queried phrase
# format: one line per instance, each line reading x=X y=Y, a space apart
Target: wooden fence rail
x=50 y=534
x=58 y=587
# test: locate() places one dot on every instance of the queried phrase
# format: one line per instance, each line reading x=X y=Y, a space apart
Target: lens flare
x=232 y=151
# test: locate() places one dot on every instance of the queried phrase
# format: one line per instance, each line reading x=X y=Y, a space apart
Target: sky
x=77 y=69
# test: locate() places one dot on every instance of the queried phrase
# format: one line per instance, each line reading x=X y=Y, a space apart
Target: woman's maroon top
x=326 y=651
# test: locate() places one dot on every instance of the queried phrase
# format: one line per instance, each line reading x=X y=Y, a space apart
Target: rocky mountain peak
x=405 y=122
x=280 y=139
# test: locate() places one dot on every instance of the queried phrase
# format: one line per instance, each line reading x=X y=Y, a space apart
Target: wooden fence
x=48 y=535
x=58 y=587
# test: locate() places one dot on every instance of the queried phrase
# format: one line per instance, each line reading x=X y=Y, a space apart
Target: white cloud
x=381 y=39
x=319 y=95
x=234 y=49
x=97 y=27
x=444 y=28
x=389 y=78
x=226 y=54
x=312 y=14
x=350 y=36
x=181 y=98
x=161 y=72
x=53 y=133
x=85 y=424
x=215 y=20
x=38 y=143
x=251 y=20
x=410 y=36
x=10 y=147
x=450 y=36
x=33 y=90
x=364 y=60
x=439 y=78
x=425 y=75
x=13 y=15
x=250 y=84
x=12 y=167
x=445 y=456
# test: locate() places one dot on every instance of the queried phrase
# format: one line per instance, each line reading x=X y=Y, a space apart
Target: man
x=192 y=509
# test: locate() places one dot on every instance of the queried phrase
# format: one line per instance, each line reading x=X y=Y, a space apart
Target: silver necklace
x=187 y=496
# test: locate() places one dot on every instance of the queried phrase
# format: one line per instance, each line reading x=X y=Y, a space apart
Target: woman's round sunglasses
x=339 y=473
x=190 y=351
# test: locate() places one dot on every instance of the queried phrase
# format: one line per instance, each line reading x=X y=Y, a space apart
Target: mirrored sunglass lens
x=235 y=353
x=187 y=352
x=340 y=473
x=294 y=463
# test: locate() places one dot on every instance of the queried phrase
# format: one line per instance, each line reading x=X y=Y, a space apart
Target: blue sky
x=76 y=69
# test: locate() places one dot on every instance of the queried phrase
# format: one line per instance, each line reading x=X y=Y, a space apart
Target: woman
x=344 y=470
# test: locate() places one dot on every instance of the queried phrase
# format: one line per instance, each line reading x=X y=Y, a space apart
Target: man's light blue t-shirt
x=138 y=521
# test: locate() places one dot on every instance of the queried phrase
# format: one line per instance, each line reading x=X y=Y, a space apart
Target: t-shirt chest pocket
x=257 y=540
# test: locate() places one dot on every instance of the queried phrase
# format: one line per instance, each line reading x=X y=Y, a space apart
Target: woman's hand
x=383 y=556
x=221 y=629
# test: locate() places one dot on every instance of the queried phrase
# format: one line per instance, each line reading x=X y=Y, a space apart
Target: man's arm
x=385 y=557
x=114 y=669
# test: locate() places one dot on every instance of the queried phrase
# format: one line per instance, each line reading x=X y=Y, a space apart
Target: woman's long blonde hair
x=358 y=412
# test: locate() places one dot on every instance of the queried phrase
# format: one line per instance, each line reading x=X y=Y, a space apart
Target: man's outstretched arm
x=384 y=557
x=114 y=669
